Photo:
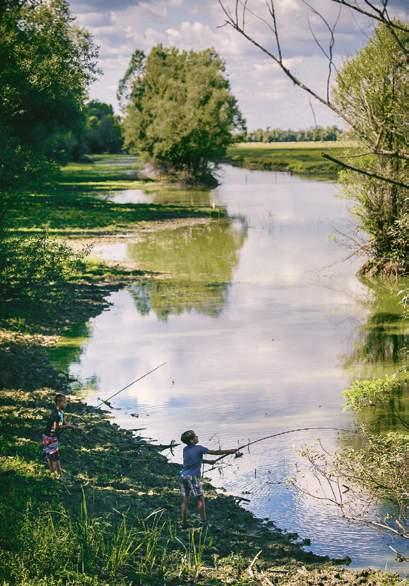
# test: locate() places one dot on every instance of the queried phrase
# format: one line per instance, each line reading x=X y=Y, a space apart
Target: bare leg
x=184 y=508
x=202 y=508
x=58 y=468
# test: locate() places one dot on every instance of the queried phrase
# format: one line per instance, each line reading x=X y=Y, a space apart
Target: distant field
x=301 y=158
x=328 y=144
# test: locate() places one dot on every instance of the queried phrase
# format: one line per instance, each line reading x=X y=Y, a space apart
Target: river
x=262 y=322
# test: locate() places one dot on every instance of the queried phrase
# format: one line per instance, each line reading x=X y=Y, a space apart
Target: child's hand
x=238 y=454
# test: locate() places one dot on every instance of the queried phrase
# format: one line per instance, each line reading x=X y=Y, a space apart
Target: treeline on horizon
x=101 y=132
x=313 y=134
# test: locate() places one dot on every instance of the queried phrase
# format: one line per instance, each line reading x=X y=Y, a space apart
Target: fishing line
x=262 y=439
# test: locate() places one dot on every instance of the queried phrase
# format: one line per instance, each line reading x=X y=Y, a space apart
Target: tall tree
x=372 y=88
x=181 y=114
x=47 y=64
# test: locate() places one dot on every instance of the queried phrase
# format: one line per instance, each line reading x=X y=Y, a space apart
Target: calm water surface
x=262 y=323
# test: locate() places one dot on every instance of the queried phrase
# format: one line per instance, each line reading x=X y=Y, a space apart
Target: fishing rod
x=102 y=401
x=262 y=439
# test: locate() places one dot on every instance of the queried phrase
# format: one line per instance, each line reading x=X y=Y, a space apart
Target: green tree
x=47 y=63
x=372 y=89
x=103 y=132
x=181 y=114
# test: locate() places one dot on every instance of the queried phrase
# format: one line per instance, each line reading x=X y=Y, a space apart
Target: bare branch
x=363 y=172
x=396 y=154
x=271 y=9
x=279 y=61
x=357 y=8
x=244 y=13
x=313 y=112
x=330 y=54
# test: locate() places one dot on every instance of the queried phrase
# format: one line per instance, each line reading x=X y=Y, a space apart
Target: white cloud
x=264 y=93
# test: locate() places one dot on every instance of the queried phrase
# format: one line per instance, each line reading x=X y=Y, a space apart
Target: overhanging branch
x=364 y=172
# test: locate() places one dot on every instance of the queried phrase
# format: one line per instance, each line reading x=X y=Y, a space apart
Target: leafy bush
x=372 y=392
x=37 y=268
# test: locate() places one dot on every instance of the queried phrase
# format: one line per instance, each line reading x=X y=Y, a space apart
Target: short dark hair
x=58 y=397
x=187 y=436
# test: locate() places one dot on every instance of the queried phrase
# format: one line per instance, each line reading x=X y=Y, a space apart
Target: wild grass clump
x=55 y=547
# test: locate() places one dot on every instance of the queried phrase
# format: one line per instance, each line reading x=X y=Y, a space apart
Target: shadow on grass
x=75 y=206
x=121 y=476
x=77 y=213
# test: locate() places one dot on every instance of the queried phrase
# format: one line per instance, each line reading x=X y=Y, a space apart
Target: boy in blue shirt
x=190 y=474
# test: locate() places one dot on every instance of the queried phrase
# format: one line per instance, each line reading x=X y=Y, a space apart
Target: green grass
x=301 y=158
x=115 y=520
x=78 y=204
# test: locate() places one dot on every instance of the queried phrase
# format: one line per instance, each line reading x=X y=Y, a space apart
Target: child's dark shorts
x=51 y=448
x=190 y=486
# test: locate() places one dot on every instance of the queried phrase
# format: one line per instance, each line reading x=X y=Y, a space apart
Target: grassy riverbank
x=80 y=202
x=114 y=520
x=303 y=158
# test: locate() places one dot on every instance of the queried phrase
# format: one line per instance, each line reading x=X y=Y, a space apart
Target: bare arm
x=221 y=452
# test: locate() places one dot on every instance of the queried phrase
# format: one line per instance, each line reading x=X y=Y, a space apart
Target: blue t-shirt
x=192 y=459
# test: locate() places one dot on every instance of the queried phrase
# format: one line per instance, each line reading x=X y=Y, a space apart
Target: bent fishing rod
x=273 y=435
x=102 y=401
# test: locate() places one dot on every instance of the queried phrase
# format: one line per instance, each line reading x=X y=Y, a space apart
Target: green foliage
x=381 y=463
x=36 y=268
x=79 y=204
x=374 y=392
x=372 y=89
x=103 y=132
x=129 y=82
x=37 y=280
x=88 y=549
x=181 y=113
x=47 y=65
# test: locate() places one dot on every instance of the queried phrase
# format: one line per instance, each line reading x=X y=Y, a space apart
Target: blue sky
x=265 y=96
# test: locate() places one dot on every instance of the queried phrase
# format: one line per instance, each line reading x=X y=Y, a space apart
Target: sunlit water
x=261 y=324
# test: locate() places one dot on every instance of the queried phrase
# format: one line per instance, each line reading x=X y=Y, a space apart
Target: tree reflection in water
x=382 y=348
x=197 y=263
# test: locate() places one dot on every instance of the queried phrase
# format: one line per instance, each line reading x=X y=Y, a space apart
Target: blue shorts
x=190 y=486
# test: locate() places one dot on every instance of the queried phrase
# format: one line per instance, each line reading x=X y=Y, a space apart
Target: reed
x=88 y=550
